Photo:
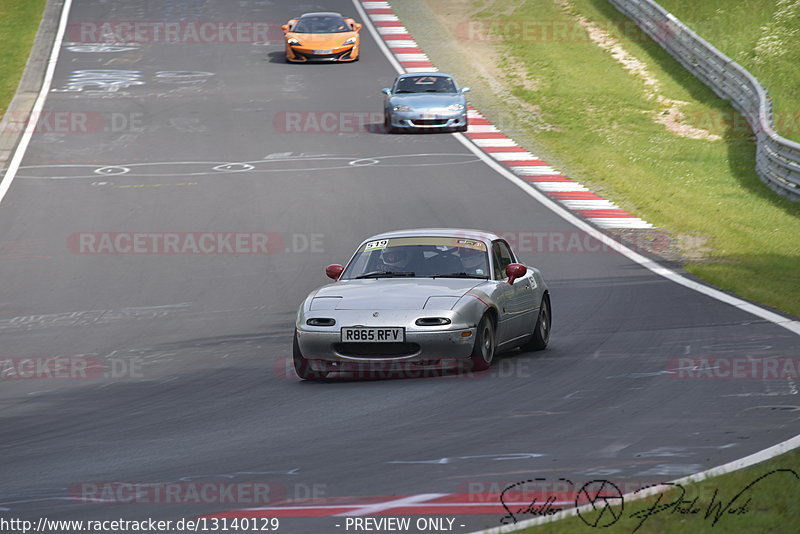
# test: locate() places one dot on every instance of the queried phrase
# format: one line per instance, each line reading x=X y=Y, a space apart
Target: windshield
x=419 y=257
x=425 y=84
x=324 y=24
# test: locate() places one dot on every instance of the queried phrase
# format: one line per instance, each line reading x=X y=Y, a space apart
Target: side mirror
x=285 y=28
x=334 y=271
x=466 y=89
x=386 y=91
x=514 y=271
x=357 y=26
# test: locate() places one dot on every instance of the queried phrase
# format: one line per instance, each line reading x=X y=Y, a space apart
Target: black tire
x=302 y=366
x=541 y=332
x=485 y=345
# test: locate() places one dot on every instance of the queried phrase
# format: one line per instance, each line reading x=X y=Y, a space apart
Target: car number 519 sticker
x=375 y=245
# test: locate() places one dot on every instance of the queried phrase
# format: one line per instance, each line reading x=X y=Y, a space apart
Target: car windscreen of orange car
x=326 y=24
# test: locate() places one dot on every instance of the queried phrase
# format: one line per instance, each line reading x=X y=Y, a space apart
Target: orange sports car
x=321 y=37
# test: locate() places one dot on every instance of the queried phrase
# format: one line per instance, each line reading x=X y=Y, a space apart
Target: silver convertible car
x=422 y=299
x=425 y=101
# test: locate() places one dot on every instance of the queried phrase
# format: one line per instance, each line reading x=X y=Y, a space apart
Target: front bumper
x=424 y=121
x=298 y=54
x=426 y=349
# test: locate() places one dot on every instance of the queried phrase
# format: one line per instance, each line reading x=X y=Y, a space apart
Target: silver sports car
x=429 y=100
x=422 y=299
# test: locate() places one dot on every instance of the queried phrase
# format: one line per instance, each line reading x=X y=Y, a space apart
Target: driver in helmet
x=474 y=261
x=396 y=259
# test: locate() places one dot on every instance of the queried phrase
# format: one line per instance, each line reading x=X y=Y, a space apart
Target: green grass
x=596 y=124
x=606 y=136
x=774 y=506
x=760 y=35
x=19 y=20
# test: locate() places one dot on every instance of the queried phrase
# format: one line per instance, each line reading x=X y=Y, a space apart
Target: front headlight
x=456 y=107
x=402 y=107
x=293 y=42
x=432 y=321
x=321 y=321
x=350 y=41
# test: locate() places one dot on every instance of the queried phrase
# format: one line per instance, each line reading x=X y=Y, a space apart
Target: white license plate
x=429 y=116
x=321 y=52
x=365 y=334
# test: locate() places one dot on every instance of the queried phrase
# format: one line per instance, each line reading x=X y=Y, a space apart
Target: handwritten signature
x=716 y=509
x=533 y=508
x=606 y=502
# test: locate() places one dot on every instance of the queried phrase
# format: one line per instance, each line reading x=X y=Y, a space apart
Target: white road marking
x=621 y=222
x=590 y=204
x=492 y=457
x=494 y=142
x=534 y=170
x=561 y=186
x=482 y=128
x=402 y=43
x=384 y=18
x=22 y=147
x=411 y=57
x=372 y=509
x=391 y=30
x=511 y=156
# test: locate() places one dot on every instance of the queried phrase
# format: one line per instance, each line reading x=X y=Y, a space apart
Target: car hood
x=427 y=100
x=321 y=41
x=391 y=293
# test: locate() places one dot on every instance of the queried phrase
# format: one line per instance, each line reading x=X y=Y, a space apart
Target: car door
x=516 y=303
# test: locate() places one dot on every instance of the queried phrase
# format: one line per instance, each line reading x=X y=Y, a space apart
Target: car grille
x=376 y=350
x=429 y=122
x=337 y=55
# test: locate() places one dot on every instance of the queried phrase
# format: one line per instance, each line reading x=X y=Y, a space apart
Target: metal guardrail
x=777 y=158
